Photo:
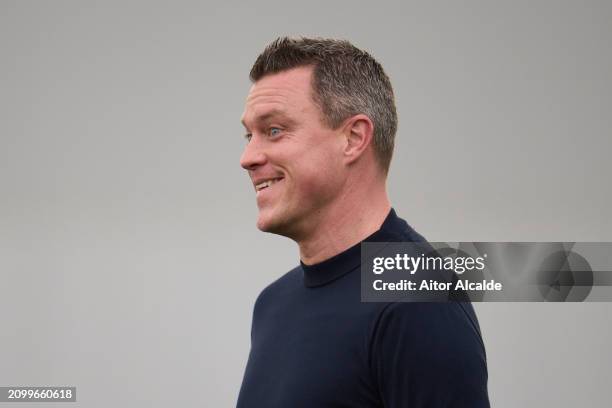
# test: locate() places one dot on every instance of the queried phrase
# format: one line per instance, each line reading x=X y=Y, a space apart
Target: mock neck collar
x=393 y=229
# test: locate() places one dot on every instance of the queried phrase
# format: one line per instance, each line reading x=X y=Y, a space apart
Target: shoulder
x=427 y=320
x=281 y=287
x=433 y=351
x=434 y=333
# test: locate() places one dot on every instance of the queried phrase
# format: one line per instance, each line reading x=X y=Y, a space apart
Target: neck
x=356 y=216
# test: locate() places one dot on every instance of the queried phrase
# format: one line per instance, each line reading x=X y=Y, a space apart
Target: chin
x=268 y=221
x=267 y=225
x=265 y=221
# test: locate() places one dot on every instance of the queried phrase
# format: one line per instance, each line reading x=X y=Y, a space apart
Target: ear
x=359 y=133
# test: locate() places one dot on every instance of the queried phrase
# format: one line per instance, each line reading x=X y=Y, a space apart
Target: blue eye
x=274 y=131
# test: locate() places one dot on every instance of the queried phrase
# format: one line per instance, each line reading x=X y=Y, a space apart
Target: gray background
x=129 y=257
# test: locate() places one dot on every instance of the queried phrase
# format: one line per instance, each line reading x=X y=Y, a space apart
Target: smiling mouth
x=265 y=184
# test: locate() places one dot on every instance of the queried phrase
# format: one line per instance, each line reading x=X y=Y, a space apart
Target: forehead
x=288 y=92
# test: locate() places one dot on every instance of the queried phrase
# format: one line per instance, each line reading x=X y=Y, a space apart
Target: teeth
x=265 y=184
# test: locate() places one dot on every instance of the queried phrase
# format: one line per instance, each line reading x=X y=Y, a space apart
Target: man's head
x=346 y=81
x=319 y=112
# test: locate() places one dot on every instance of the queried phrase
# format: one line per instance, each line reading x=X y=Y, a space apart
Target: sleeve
x=429 y=355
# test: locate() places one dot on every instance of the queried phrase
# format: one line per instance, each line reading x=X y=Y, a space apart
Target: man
x=320 y=121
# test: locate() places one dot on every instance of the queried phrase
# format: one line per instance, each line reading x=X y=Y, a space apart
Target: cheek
x=330 y=163
x=321 y=175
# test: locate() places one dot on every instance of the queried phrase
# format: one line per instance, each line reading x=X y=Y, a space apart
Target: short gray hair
x=346 y=81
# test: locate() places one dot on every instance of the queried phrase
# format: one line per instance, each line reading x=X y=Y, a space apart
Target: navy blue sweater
x=314 y=344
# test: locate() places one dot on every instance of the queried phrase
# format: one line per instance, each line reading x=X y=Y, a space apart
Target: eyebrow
x=268 y=115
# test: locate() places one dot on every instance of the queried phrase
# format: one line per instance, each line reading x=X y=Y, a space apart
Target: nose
x=253 y=155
